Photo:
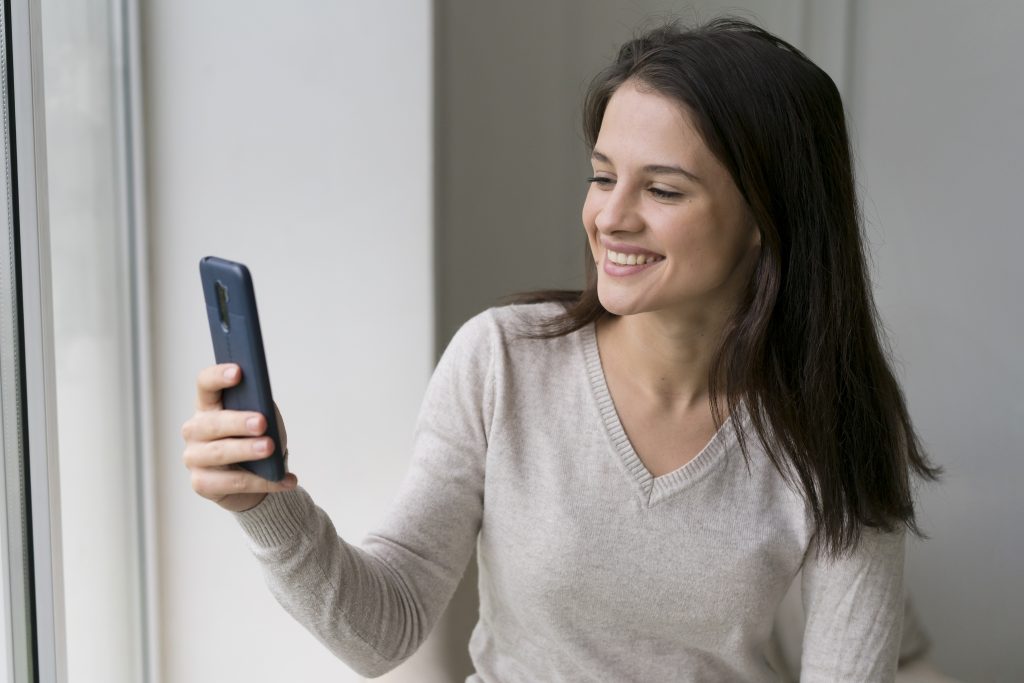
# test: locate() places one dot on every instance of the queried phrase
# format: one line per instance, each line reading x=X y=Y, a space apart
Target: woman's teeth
x=631 y=259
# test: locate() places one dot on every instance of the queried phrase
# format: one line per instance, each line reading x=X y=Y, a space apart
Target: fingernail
x=253 y=424
x=230 y=373
x=259 y=447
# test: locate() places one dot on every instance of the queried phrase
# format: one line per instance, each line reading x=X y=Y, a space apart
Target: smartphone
x=235 y=330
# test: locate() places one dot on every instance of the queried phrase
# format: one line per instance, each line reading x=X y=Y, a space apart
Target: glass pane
x=92 y=342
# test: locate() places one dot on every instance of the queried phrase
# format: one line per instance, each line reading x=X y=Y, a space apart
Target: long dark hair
x=802 y=350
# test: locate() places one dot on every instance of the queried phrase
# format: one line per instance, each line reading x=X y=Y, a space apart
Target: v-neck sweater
x=590 y=567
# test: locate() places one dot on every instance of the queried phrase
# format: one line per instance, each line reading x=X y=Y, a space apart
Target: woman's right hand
x=217 y=439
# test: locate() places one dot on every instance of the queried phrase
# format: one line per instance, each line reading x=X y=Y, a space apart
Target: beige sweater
x=591 y=569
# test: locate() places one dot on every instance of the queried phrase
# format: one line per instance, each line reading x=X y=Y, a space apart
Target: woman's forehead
x=641 y=126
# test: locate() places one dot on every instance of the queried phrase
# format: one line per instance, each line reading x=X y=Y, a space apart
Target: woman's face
x=662 y=199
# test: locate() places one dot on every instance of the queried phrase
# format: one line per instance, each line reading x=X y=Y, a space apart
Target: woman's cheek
x=591 y=230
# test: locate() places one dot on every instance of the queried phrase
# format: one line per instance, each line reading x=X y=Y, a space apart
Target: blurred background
x=388 y=169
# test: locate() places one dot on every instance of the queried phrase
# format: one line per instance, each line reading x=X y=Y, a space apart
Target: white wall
x=296 y=139
x=937 y=110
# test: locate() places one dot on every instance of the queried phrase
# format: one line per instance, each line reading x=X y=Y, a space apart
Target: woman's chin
x=618 y=305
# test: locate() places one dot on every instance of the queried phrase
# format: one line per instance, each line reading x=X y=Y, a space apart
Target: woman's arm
x=373 y=606
x=854 y=608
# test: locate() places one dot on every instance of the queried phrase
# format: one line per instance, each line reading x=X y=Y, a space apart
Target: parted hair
x=803 y=349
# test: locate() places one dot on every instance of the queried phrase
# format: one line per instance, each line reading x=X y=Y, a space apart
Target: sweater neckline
x=651 y=489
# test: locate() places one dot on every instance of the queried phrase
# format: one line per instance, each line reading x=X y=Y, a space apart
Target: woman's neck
x=665 y=359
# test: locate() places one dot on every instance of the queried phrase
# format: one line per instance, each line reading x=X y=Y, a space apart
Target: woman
x=643 y=466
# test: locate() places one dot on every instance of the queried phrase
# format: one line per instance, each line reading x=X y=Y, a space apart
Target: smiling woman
x=642 y=466
x=763 y=256
x=643 y=201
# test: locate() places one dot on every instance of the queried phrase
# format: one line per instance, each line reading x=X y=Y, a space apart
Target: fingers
x=212 y=380
x=220 y=424
x=224 y=452
x=216 y=484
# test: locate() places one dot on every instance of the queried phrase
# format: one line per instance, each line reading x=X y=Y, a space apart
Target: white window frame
x=32 y=624
x=32 y=558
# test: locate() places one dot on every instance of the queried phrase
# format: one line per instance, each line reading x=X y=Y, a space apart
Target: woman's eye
x=664 y=194
x=606 y=183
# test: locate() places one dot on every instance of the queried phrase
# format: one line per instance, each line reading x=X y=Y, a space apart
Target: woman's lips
x=630 y=258
x=619 y=270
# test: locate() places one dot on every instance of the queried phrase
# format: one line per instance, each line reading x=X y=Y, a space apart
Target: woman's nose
x=618 y=212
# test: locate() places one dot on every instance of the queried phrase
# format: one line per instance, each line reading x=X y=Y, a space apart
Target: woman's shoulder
x=499 y=348
x=512 y=320
x=525 y=319
x=511 y=328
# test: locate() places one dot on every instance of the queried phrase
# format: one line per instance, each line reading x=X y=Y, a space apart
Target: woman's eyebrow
x=652 y=168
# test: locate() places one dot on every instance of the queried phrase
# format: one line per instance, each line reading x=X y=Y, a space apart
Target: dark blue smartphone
x=235 y=329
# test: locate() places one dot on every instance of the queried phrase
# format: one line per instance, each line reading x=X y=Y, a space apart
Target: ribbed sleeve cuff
x=278 y=520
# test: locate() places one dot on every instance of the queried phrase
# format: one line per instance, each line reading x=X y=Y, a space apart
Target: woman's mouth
x=632 y=259
x=618 y=263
